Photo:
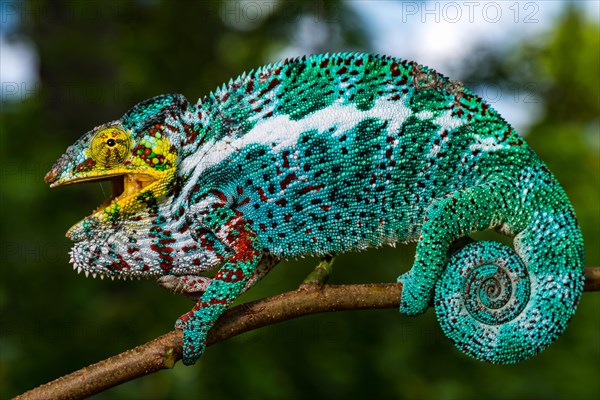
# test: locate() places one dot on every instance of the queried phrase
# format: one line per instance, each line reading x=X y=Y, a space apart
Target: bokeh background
x=67 y=66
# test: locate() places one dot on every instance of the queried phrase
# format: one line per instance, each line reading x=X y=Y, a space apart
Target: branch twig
x=165 y=350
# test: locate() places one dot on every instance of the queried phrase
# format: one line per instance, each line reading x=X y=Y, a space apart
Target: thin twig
x=165 y=350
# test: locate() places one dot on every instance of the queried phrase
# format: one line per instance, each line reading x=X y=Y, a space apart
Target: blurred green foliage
x=99 y=58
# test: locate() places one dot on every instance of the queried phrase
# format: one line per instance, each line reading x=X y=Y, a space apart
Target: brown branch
x=165 y=350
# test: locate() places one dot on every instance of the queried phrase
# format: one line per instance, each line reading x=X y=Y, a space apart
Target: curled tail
x=502 y=305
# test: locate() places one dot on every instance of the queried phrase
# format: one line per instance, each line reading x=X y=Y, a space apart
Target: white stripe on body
x=284 y=132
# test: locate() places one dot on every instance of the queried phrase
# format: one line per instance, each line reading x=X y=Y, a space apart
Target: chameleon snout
x=51 y=176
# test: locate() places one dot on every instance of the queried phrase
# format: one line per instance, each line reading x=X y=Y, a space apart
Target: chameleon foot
x=415 y=300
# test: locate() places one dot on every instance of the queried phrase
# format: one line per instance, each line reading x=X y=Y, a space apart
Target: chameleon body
x=328 y=154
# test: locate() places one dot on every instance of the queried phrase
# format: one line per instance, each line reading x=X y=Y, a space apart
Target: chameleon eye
x=110 y=146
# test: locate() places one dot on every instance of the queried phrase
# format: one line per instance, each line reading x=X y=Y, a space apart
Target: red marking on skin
x=261 y=194
x=281 y=202
x=86 y=166
x=249 y=87
x=309 y=230
x=160 y=250
x=262 y=227
x=166 y=260
x=167 y=266
x=310 y=188
x=241 y=240
x=228 y=275
x=244 y=202
x=120 y=265
x=206 y=243
x=287 y=217
x=286 y=162
x=239 y=190
x=287 y=180
x=171 y=127
x=274 y=83
x=394 y=69
x=184 y=227
x=218 y=194
x=325 y=207
x=484 y=109
x=132 y=250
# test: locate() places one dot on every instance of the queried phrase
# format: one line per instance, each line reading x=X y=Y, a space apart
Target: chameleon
x=326 y=154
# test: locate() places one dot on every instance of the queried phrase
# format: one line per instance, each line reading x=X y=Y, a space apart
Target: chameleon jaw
x=125 y=187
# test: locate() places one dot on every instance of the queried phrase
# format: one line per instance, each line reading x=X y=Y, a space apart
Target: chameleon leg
x=193 y=286
x=447 y=219
x=188 y=285
x=230 y=227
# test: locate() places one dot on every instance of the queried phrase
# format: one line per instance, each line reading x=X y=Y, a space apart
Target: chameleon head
x=138 y=156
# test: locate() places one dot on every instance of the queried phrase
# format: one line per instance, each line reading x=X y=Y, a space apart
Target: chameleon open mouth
x=124 y=186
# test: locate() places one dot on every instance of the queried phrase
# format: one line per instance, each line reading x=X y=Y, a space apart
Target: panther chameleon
x=326 y=154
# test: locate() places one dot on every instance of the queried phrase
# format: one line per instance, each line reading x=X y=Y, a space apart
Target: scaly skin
x=328 y=154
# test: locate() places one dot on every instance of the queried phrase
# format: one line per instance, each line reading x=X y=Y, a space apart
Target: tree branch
x=164 y=351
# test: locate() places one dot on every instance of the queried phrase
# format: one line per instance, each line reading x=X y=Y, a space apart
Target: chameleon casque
x=327 y=154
